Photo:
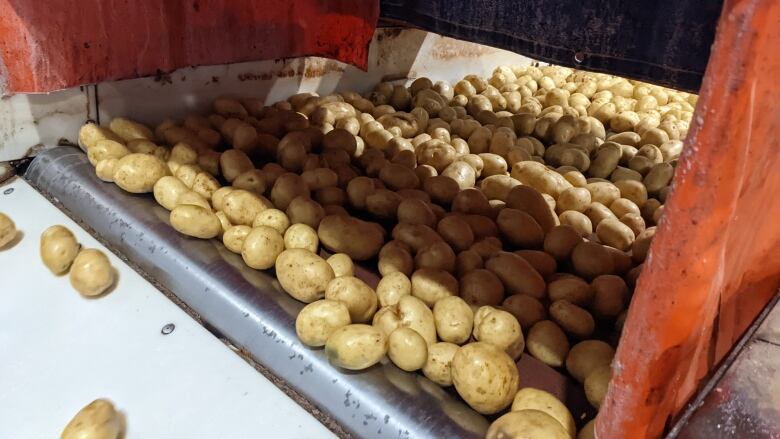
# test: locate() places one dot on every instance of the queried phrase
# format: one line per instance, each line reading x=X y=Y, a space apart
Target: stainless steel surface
x=250 y=309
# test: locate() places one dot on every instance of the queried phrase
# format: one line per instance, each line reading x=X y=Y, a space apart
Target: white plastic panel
x=60 y=351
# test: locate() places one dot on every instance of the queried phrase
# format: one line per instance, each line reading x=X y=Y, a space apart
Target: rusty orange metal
x=55 y=44
x=715 y=262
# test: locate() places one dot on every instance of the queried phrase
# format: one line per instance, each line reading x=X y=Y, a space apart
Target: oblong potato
x=407 y=349
x=438 y=366
x=242 y=207
x=356 y=346
x=529 y=424
x=431 y=285
x=526 y=310
x=167 y=191
x=303 y=274
x=195 y=221
x=319 y=320
x=517 y=275
x=587 y=356
x=358 y=239
x=58 y=248
x=97 y=420
x=547 y=342
x=392 y=287
x=361 y=300
x=137 y=173
x=454 y=319
x=234 y=237
x=575 y=320
x=499 y=328
x=536 y=399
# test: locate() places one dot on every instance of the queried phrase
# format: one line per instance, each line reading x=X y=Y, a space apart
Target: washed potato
x=261 y=247
x=167 y=191
x=303 y=274
x=341 y=264
x=356 y=346
x=234 y=237
x=395 y=256
x=359 y=239
x=318 y=320
x=58 y=248
x=587 y=356
x=7 y=230
x=454 y=319
x=527 y=424
x=301 y=236
x=90 y=134
x=499 y=328
x=407 y=349
x=91 y=273
x=431 y=285
x=195 y=221
x=106 y=149
x=274 y=218
x=361 y=300
x=485 y=377
x=414 y=313
x=129 y=129
x=97 y=420
x=547 y=342
x=392 y=287
x=530 y=398
x=438 y=366
x=596 y=385
x=526 y=309
x=242 y=207
x=137 y=173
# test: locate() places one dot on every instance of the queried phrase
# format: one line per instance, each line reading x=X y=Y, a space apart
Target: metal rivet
x=579 y=57
x=167 y=329
x=8 y=191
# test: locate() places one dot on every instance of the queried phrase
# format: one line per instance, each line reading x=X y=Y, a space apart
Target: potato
x=456 y=231
x=578 y=221
x=498 y=187
x=442 y=189
x=361 y=300
x=8 y=233
x=438 y=367
x=454 y=319
x=481 y=287
x=560 y=242
x=596 y=384
x=572 y=289
x=97 y=420
x=472 y=201
x=58 y=246
x=129 y=130
x=547 y=342
x=415 y=236
x=517 y=275
x=359 y=239
x=234 y=237
x=431 y=285
x=218 y=197
x=90 y=134
x=633 y=190
x=274 y=218
x=106 y=149
x=303 y=274
x=341 y=264
x=574 y=320
x=251 y=180
x=587 y=356
x=242 y=207
x=233 y=163
x=91 y=273
x=526 y=309
x=356 y=346
x=392 y=287
x=533 y=203
x=591 y=260
x=540 y=178
x=576 y=198
x=463 y=174
x=407 y=349
x=301 y=236
x=587 y=432
x=395 y=256
x=105 y=169
x=530 y=398
x=318 y=320
x=527 y=424
x=499 y=328
x=137 y=173
x=610 y=296
x=467 y=261
x=196 y=221
x=262 y=246
x=520 y=228
x=183 y=154
x=615 y=234
x=641 y=245
x=485 y=377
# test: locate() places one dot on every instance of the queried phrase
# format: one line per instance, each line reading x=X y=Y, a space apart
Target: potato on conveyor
x=356 y=346
x=58 y=249
x=7 y=230
x=303 y=274
x=91 y=273
x=407 y=349
x=318 y=320
x=536 y=399
x=97 y=420
x=527 y=424
x=485 y=377
x=137 y=173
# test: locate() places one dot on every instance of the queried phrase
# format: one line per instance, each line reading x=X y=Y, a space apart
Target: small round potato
x=392 y=287
x=137 y=173
x=587 y=356
x=274 y=218
x=526 y=309
x=438 y=367
x=319 y=320
x=527 y=424
x=91 y=273
x=356 y=346
x=407 y=349
x=485 y=377
x=301 y=236
x=536 y=399
x=360 y=299
x=499 y=328
x=58 y=248
x=596 y=385
x=454 y=319
x=97 y=420
x=234 y=237
x=431 y=285
x=547 y=342
x=195 y=221
x=261 y=247
x=341 y=264
x=303 y=274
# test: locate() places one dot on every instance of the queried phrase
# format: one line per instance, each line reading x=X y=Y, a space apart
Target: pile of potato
x=504 y=215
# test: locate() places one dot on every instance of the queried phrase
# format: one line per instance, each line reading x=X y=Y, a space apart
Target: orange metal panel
x=715 y=262
x=54 y=44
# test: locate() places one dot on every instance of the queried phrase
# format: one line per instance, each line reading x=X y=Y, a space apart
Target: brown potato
x=233 y=163
x=485 y=377
x=591 y=260
x=415 y=211
x=587 y=356
x=498 y=187
x=572 y=289
x=520 y=228
x=456 y=231
x=611 y=296
x=481 y=226
x=574 y=320
x=526 y=309
x=466 y=261
x=596 y=384
x=359 y=239
x=481 y=287
x=547 y=342
x=395 y=256
x=472 y=201
x=560 y=242
x=541 y=261
x=578 y=221
x=641 y=245
x=431 y=285
x=517 y=275
x=532 y=202
x=286 y=188
x=438 y=255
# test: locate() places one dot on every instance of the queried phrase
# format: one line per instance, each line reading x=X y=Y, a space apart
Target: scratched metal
x=249 y=308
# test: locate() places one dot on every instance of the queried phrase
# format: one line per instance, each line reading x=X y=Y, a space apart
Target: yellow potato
x=106 y=149
x=438 y=366
x=596 y=385
x=361 y=300
x=527 y=423
x=233 y=163
x=242 y=207
x=97 y=420
x=530 y=398
x=303 y=274
x=359 y=239
x=356 y=346
x=58 y=248
x=137 y=173
x=301 y=236
x=615 y=234
x=577 y=220
x=587 y=356
x=261 y=247
x=105 y=169
x=218 y=197
x=129 y=129
x=274 y=218
x=547 y=342
x=7 y=230
x=91 y=273
x=195 y=221
x=540 y=178
x=90 y=134
x=454 y=319
x=407 y=349
x=167 y=191
x=414 y=313
x=341 y=264
x=234 y=237
x=319 y=320
x=392 y=287
x=431 y=285
x=587 y=432
x=193 y=198
x=485 y=377
x=499 y=328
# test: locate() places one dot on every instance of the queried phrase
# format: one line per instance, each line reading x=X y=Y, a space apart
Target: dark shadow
x=12 y=243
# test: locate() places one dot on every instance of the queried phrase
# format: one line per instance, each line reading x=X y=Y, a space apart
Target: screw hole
x=579 y=57
x=8 y=191
x=167 y=329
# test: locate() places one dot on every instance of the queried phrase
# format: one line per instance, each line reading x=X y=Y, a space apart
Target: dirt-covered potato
x=480 y=287
x=233 y=163
x=520 y=228
x=596 y=384
x=611 y=296
x=91 y=273
x=532 y=202
x=454 y=319
x=407 y=349
x=560 y=241
x=97 y=420
x=415 y=211
x=356 y=346
x=485 y=377
x=58 y=247
x=530 y=398
x=303 y=274
x=438 y=367
x=319 y=320
x=547 y=342
x=359 y=239
x=587 y=431
x=527 y=423
x=286 y=188
x=438 y=255
x=361 y=300
x=541 y=261
x=499 y=328
x=587 y=356
x=137 y=173
x=526 y=310
x=392 y=287
x=517 y=275
x=195 y=221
